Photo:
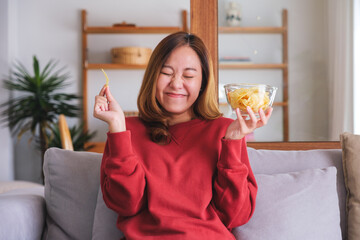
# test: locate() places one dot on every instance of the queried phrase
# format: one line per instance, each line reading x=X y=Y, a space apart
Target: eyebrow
x=186 y=69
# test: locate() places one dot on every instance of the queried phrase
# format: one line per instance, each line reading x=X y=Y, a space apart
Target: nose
x=176 y=82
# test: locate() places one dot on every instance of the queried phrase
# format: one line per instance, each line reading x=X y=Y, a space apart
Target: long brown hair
x=150 y=111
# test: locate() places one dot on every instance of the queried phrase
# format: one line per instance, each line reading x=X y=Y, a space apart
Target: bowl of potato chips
x=255 y=96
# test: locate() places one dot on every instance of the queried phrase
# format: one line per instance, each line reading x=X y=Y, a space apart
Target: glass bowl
x=255 y=96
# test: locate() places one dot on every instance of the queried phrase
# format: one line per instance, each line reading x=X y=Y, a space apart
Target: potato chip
x=253 y=97
x=107 y=79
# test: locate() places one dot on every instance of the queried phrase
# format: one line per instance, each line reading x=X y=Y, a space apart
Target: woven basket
x=131 y=55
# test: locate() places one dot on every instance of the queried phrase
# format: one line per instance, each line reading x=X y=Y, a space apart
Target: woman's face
x=178 y=84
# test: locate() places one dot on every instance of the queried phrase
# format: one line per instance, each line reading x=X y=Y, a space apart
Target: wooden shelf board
x=114 y=66
x=288 y=146
x=131 y=113
x=253 y=66
x=295 y=146
x=282 y=104
x=274 y=104
x=252 y=30
x=132 y=30
x=222 y=66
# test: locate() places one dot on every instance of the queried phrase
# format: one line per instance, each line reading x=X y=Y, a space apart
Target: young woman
x=179 y=170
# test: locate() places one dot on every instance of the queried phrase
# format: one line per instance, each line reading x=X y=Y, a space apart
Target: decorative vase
x=233 y=15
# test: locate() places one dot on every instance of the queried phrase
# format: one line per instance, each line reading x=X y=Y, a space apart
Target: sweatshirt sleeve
x=235 y=186
x=122 y=176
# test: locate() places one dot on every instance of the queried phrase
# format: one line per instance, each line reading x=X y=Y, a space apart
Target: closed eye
x=166 y=74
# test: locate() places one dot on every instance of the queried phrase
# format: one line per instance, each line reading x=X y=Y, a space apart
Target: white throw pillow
x=277 y=161
x=296 y=205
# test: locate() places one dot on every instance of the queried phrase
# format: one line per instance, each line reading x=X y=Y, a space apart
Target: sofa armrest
x=22 y=214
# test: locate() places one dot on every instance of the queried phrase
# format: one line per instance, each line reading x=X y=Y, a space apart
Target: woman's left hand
x=240 y=127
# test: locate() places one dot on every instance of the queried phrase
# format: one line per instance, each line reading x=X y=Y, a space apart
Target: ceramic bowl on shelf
x=256 y=96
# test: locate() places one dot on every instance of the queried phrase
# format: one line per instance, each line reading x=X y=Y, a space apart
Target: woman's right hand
x=107 y=109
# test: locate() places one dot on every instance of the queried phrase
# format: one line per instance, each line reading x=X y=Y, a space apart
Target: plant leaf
x=40 y=98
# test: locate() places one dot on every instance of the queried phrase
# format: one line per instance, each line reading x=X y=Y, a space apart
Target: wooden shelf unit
x=259 y=30
x=115 y=30
x=274 y=104
x=287 y=146
x=253 y=66
x=138 y=30
x=283 y=30
x=115 y=66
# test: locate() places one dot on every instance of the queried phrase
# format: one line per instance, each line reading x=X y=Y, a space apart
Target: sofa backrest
x=72 y=182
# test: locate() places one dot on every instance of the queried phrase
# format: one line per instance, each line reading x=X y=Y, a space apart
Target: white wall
x=6 y=160
x=53 y=31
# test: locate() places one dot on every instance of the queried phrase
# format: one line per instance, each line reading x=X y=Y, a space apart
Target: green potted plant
x=38 y=100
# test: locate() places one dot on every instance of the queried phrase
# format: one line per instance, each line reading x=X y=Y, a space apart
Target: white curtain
x=340 y=73
x=356 y=39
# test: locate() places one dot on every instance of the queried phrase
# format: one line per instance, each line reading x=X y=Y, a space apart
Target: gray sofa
x=302 y=195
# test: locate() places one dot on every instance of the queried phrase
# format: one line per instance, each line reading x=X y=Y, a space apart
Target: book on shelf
x=234 y=60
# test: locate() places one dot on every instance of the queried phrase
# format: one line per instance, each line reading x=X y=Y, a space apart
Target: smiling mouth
x=176 y=95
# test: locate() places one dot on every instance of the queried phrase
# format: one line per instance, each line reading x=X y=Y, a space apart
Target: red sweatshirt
x=197 y=187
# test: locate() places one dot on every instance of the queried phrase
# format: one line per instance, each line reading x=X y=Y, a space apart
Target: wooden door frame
x=204 y=23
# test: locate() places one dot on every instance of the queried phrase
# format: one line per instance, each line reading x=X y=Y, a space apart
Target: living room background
x=52 y=30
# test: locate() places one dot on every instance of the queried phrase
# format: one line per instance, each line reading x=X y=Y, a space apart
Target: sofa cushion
x=351 y=160
x=71 y=187
x=105 y=221
x=276 y=161
x=22 y=213
x=298 y=205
